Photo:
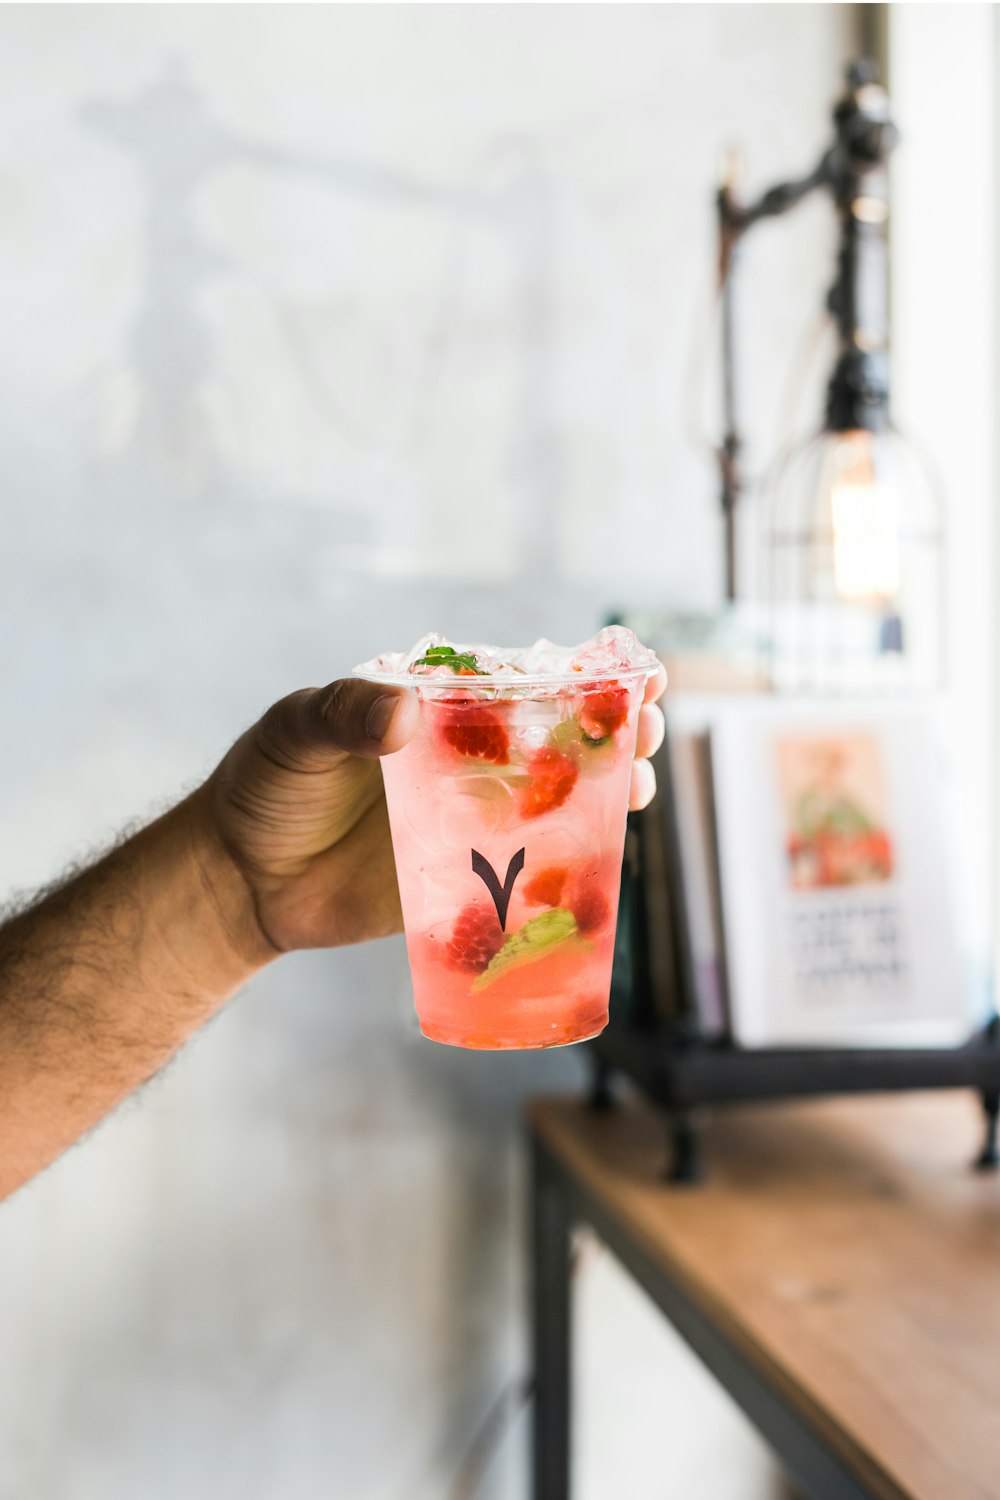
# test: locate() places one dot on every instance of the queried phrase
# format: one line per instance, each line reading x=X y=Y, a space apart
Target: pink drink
x=508 y=819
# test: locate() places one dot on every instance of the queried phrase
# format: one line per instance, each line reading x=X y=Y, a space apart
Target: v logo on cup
x=501 y=893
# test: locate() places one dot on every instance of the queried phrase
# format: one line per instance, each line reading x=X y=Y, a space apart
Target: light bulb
x=864 y=513
x=855 y=565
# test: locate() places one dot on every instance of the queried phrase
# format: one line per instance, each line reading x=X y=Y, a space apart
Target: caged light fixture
x=854 y=533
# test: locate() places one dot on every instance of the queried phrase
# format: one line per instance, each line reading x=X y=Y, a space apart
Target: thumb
x=353 y=716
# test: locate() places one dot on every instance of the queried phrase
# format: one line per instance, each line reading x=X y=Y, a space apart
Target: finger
x=642 y=787
x=655 y=685
x=651 y=731
x=352 y=716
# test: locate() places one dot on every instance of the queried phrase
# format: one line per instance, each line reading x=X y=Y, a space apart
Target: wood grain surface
x=848 y=1249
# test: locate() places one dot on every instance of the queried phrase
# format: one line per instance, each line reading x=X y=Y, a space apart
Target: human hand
x=299 y=807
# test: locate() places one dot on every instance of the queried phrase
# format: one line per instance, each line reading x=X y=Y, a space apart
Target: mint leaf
x=447 y=656
x=531 y=942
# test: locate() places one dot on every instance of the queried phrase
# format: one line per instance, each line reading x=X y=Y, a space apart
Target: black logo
x=501 y=893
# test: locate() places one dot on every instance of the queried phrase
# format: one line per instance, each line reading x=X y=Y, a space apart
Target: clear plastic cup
x=507 y=812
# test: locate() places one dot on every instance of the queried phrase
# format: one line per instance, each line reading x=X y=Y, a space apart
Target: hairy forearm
x=103 y=979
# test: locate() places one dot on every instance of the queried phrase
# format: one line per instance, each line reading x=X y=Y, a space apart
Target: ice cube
x=614 y=649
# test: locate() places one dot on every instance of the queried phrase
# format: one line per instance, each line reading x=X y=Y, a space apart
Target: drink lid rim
x=515 y=681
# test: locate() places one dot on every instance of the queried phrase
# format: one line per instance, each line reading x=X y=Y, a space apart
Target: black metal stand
x=600 y=1098
x=684 y=1165
x=680 y=1077
x=989 y=1158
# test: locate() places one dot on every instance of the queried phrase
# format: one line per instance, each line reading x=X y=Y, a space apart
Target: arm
x=102 y=980
x=105 y=977
x=285 y=846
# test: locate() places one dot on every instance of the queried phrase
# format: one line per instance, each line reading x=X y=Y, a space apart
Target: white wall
x=323 y=326
x=945 y=369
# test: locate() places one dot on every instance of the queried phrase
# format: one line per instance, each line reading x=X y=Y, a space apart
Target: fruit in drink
x=591 y=907
x=551 y=777
x=603 y=712
x=476 y=937
x=545 y=888
x=473 y=730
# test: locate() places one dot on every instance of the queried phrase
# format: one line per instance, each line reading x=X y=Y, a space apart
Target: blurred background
x=323 y=327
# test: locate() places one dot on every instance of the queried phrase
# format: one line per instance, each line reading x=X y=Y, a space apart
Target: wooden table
x=839 y=1273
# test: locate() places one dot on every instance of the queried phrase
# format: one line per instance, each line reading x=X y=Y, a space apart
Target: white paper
x=869 y=963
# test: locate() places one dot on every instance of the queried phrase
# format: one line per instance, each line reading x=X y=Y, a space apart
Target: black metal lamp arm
x=854 y=171
x=734 y=221
x=738 y=218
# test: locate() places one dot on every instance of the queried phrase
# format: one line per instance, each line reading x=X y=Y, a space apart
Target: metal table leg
x=550 y=1328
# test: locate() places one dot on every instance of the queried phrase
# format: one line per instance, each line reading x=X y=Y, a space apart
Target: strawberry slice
x=546 y=888
x=475 y=939
x=552 y=777
x=581 y=891
x=603 y=712
x=473 y=729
